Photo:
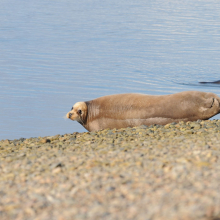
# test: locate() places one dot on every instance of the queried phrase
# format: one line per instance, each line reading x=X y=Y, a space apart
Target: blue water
x=55 y=53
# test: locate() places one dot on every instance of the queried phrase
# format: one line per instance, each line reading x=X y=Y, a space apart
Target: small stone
x=167 y=126
x=45 y=140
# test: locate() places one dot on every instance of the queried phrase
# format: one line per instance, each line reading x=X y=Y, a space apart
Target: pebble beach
x=156 y=172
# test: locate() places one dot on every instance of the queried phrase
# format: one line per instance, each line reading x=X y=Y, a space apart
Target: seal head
x=78 y=113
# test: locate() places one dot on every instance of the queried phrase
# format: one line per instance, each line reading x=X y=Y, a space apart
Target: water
x=55 y=53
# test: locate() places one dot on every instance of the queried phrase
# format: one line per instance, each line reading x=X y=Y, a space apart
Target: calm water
x=55 y=53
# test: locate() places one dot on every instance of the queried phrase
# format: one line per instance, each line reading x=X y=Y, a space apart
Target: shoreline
x=155 y=172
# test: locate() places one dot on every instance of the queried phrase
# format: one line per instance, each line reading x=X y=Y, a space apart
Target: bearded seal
x=130 y=110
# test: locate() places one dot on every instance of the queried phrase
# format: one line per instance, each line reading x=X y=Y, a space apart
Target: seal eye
x=72 y=108
x=79 y=112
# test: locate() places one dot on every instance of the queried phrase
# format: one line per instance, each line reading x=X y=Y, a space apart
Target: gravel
x=156 y=172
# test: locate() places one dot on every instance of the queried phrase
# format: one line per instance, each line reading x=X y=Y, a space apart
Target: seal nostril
x=70 y=114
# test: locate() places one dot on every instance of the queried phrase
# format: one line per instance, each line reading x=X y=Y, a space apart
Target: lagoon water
x=55 y=53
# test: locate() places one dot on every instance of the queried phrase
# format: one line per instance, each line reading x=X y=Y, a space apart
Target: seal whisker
x=65 y=117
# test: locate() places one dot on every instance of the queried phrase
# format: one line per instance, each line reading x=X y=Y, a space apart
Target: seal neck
x=83 y=121
x=92 y=112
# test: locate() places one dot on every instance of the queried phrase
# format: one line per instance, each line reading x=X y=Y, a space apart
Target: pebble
x=146 y=172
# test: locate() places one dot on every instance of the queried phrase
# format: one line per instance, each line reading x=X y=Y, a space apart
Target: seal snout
x=68 y=115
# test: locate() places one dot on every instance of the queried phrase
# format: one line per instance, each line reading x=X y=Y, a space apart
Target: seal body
x=130 y=110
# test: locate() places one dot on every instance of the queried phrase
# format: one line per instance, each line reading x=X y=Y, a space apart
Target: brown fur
x=129 y=110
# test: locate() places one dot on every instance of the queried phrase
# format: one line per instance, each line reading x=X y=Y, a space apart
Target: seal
x=130 y=110
x=215 y=82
